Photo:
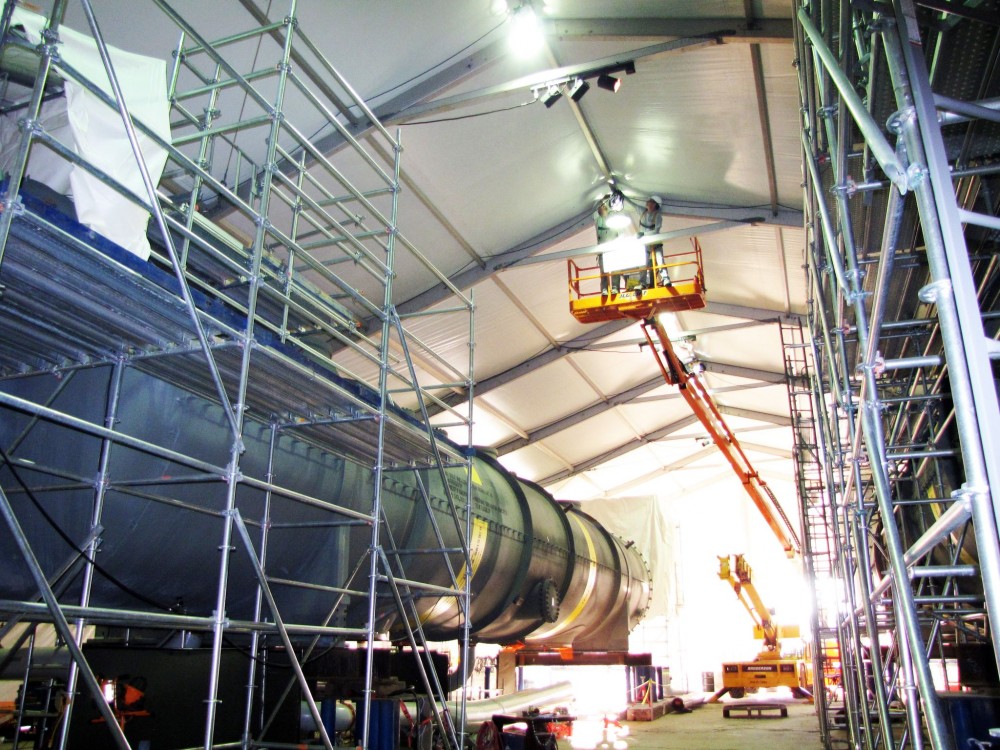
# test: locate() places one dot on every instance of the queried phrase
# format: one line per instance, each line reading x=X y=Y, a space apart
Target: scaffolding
x=266 y=309
x=897 y=442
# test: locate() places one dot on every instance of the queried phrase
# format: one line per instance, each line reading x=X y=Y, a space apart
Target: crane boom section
x=750 y=599
x=703 y=405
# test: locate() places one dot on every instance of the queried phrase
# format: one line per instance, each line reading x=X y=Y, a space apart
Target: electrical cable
x=468 y=117
x=246 y=96
x=434 y=67
x=399 y=85
x=66 y=538
x=116 y=581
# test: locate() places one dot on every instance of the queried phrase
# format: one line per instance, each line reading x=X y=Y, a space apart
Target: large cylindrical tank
x=542 y=571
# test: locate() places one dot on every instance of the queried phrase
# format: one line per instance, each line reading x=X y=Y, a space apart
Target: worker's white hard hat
x=656 y=199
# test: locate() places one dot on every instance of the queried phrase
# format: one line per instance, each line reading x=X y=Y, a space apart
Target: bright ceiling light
x=526 y=38
x=618 y=220
x=609 y=83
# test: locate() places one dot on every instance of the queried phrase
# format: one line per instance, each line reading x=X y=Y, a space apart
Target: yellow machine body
x=741 y=677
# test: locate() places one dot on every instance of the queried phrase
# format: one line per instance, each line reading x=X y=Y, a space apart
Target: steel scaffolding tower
x=251 y=305
x=900 y=147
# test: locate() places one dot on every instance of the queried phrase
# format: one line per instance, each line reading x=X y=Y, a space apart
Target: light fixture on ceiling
x=576 y=83
x=616 y=201
x=617 y=219
x=608 y=83
x=526 y=37
x=551 y=96
x=577 y=89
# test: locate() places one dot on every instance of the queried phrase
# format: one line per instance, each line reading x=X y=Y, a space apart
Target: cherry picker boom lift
x=685 y=291
x=596 y=296
x=770 y=669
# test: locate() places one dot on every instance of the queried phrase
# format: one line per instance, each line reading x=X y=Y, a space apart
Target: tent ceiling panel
x=534 y=462
x=503 y=335
x=374 y=68
x=490 y=428
x=446 y=334
x=792 y=243
x=782 y=90
x=744 y=267
x=543 y=395
x=758 y=347
x=617 y=369
x=673 y=140
x=491 y=166
x=771 y=401
x=631 y=471
x=541 y=289
x=658 y=412
x=597 y=436
x=577 y=487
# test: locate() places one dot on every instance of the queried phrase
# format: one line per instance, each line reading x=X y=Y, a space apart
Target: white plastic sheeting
x=681 y=534
x=91 y=130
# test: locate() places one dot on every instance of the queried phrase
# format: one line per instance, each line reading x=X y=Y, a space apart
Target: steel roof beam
x=760 y=91
x=541 y=78
x=455 y=73
x=783 y=217
x=550 y=355
x=779 y=420
x=651 y=239
x=621 y=450
x=723 y=389
x=751 y=313
x=762 y=31
x=360 y=126
x=501 y=260
x=634 y=395
x=530 y=247
x=580 y=416
x=769 y=450
x=687 y=333
x=720 y=368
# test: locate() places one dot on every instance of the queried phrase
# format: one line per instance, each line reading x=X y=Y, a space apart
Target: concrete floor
x=706 y=729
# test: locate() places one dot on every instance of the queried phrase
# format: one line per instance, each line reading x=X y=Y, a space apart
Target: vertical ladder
x=818 y=522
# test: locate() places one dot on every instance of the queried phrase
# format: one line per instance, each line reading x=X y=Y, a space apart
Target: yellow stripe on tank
x=477 y=548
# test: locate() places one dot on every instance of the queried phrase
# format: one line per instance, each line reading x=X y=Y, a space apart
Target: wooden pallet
x=647 y=711
x=754 y=710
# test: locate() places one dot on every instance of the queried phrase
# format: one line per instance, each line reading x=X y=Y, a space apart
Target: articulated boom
x=750 y=599
x=589 y=303
x=703 y=406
